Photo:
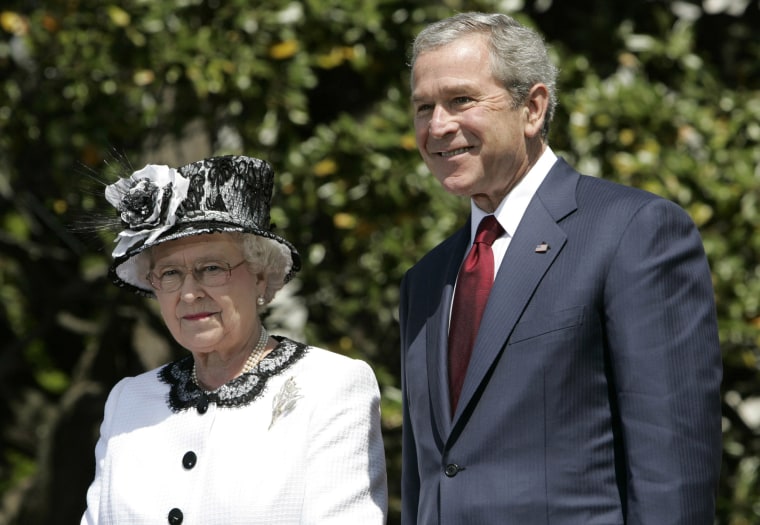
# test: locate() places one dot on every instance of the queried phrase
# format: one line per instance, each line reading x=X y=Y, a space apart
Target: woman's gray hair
x=267 y=258
x=519 y=55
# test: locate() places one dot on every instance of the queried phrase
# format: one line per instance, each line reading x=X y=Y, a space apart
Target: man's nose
x=441 y=123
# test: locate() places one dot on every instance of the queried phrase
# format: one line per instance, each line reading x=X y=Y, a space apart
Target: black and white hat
x=219 y=194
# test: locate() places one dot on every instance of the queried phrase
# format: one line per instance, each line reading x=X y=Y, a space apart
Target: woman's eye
x=169 y=272
x=211 y=268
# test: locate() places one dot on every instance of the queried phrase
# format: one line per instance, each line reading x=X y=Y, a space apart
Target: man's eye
x=423 y=108
x=462 y=100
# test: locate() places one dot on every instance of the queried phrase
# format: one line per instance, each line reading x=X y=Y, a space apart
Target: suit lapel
x=520 y=272
x=438 y=328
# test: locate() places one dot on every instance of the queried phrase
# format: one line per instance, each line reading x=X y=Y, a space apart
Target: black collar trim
x=241 y=391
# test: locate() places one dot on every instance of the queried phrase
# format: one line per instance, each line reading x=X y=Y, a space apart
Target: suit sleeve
x=665 y=359
x=410 y=481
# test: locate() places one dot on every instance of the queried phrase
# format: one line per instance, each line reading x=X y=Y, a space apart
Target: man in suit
x=588 y=393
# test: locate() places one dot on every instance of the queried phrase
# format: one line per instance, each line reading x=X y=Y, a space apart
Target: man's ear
x=535 y=110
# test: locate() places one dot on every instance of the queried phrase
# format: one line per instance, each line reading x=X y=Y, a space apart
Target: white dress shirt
x=510 y=211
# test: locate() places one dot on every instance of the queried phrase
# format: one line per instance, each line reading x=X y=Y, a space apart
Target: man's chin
x=456 y=185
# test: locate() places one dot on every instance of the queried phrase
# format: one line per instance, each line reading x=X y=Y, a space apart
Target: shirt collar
x=513 y=206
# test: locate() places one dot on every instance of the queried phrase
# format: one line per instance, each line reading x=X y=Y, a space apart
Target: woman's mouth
x=198 y=316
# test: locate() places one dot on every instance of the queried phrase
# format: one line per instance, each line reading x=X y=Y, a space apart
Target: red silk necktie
x=473 y=286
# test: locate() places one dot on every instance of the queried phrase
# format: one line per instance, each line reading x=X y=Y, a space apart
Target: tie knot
x=489 y=230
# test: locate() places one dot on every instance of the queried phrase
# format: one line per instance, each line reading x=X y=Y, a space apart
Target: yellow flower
x=335 y=57
x=408 y=142
x=627 y=136
x=344 y=221
x=284 y=50
x=119 y=17
x=13 y=23
x=143 y=77
x=325 y=167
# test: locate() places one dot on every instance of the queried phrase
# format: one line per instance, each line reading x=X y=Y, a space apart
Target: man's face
x=468 y=132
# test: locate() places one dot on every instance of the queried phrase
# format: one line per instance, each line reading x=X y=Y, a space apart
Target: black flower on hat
x=145 y=205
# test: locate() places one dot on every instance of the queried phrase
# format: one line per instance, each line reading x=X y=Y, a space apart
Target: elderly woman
x=249 y=427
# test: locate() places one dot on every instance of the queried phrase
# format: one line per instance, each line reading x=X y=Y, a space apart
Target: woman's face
x=202 y=318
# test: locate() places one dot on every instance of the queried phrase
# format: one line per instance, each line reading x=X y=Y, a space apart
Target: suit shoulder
x=589 y=186
x=441 y=252
x=602 y=192
x=614 y=203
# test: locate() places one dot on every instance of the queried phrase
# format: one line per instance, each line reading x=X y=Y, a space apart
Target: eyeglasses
x=207 y=273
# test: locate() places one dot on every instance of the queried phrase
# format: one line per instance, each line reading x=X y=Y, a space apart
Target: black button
x=189 y=460
x=175 y=517
x=451 y=470
x=202 y=405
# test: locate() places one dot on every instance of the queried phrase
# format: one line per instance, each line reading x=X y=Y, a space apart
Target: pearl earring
x=260 y=300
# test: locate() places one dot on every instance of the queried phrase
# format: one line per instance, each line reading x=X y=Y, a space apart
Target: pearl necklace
x=253 y=358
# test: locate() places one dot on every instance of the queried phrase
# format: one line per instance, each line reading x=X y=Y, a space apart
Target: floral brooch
x=285 y=400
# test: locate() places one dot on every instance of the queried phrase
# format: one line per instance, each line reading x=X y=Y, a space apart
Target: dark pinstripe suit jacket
x=592 y=396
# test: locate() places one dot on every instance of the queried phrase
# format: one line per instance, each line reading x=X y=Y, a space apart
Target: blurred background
x=660 y=95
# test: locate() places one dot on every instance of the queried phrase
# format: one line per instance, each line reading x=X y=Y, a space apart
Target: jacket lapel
x=522 y=269
x=438 y=328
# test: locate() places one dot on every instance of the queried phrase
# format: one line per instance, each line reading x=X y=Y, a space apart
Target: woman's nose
x=191 y=288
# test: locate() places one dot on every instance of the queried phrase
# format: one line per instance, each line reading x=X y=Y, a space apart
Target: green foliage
x=90 y=89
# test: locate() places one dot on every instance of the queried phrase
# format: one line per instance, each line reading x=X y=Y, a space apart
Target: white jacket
x=321 y=462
